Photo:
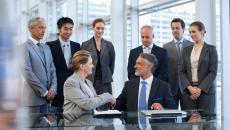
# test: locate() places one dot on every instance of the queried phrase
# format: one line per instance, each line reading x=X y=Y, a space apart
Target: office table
x=194 y=120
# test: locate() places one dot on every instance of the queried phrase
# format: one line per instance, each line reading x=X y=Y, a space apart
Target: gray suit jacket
x=207 y=68
x=174 y=64
x=107 y=58
x=39 y=74
x=78 y=100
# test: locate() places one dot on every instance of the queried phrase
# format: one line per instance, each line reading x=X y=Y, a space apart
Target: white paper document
x=108 y=112
x=164 y=112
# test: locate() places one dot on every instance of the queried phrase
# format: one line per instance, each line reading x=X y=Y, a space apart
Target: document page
x=108 y=112
x=164 y=112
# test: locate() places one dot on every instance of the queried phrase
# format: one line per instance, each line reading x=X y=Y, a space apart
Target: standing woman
x=198 y=71
x=103 y=56
x=79 y=94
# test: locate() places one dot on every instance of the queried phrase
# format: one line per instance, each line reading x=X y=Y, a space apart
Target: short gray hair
x=33 y=21
x=151 y=58
x=147 y=26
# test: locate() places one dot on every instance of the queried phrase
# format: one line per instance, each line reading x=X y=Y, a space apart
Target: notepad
x=106 y=113
x=167 y=113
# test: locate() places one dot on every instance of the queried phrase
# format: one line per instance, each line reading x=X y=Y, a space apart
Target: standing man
x=175 y=48
x=145 y=92
x=40 y=83
x=161 y=70
x=62 y=51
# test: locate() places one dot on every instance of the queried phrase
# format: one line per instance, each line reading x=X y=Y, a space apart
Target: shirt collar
x=63 y=42
x=148 y=80
x=34 y=40
x=176 y=41
x=150 y=46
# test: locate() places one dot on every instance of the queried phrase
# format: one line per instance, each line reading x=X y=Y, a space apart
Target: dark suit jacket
x=160 y=92
x=174 y=64
x=62 y=70
x=161 y=71
x=207 y=68
x=107 y=58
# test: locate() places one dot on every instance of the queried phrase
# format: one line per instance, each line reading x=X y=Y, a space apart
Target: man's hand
x=51 y=94
x=156 y=106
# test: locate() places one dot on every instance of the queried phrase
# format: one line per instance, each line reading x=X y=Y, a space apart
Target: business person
x=198 y=71
x=62 y=51
x=40 y=84
x=103 y=56
x=79 y=94
x=174 y=49
x=161 y=70
x=145 y=92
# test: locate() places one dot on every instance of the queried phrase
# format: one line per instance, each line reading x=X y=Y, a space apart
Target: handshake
x=112 y=103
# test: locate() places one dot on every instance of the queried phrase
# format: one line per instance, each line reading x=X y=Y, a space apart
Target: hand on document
x=156 y=106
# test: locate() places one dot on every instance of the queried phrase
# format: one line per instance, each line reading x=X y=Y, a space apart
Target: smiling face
x=177 y=30
x=99 y=29
x=65 y=31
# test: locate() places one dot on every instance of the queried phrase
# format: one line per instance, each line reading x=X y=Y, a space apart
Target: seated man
x=145 y=92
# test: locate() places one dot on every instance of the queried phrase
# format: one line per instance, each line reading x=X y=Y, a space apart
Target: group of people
x=76 y=78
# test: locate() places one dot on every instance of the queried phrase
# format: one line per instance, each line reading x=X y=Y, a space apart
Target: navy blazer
x=207 y=68
x=160 y=92
x=161 y=71
x=62 y=70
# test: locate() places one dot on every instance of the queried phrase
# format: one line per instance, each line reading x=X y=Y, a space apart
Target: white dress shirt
x=147 y=49
x=66 y=50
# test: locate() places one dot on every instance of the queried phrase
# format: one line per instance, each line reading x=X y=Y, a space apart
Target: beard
x=137 y=73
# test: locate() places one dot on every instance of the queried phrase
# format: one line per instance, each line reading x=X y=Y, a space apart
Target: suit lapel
x=60 y=53
x=203 y=54
x=103 y=46
x=152 y=93
x=72 y=48
x=174 y=50
x=36 y=49
x=135 y=91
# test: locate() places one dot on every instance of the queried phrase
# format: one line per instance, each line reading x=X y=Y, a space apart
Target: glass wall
x=160 y=21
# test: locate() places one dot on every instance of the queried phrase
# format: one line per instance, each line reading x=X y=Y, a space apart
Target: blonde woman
x=79 y=94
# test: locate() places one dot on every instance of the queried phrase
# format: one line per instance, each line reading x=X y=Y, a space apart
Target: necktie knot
x=143 y=82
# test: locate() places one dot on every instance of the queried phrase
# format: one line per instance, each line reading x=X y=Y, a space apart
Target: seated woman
x=79 y=94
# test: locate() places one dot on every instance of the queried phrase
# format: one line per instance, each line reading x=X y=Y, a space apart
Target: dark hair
x=199 y=25
x=95 y=21
x=80 y=57
x=180 y=21
x=151 y=58
x=64 y=20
